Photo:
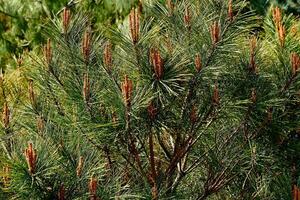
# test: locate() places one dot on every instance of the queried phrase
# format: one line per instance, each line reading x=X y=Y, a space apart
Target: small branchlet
x=5 y=115
x=230 y=10
x=86 y=88
x=31 y=93
x=193 y=115
x=103 y=111
x=107 y=56
x=215 y=32
x=170 y=6
x=253 y=95
x=216 y=97
x=79 y=166
x=126 y=174
x=198 y=62
x=296 y=192
x=48 y=51
x=134 y=23
x=295 y=61
x=151 y=55
x=6 y=171
x=140 y=7
x=114 y=118
x=157 y=62
x=127 y=91
x=294 y=30
x=108 y=163
x=40 y=124
x=20 y=61
x=187 y=17
x=93 y=188
x=31 y=158
x=1 y=80
x=252 y=62
x=86 y=45
x=154 y=192
x=66 y=19
x=61 y=192
x=152 y=111
x=269 y=115
x=169 y=45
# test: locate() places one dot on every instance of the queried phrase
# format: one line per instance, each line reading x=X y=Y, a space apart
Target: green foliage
x=291 y=6
x=262 y=6
x=21 y=22
x=112 y=11
x=176 y=102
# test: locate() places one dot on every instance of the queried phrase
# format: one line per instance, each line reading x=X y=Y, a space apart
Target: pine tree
x=185 y=101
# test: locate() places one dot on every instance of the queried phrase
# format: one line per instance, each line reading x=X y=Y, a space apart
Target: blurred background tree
x=20 y=26
x=21 y=22
x=290 y=6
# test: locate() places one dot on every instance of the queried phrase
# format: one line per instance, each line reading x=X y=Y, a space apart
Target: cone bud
x=134 y=25
x=66 y=19
x=216 y=97
x=295 y=61
x=93 y=188
x=215 y=32
x=31 y=93
x=31 y=158
x=127 y=91
x=79 y=166
x=61 y=192
x=107 y=56
x=187 y=17
x=198 y=63
x=157 y=62
x=86 y=45
x=48 y=51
